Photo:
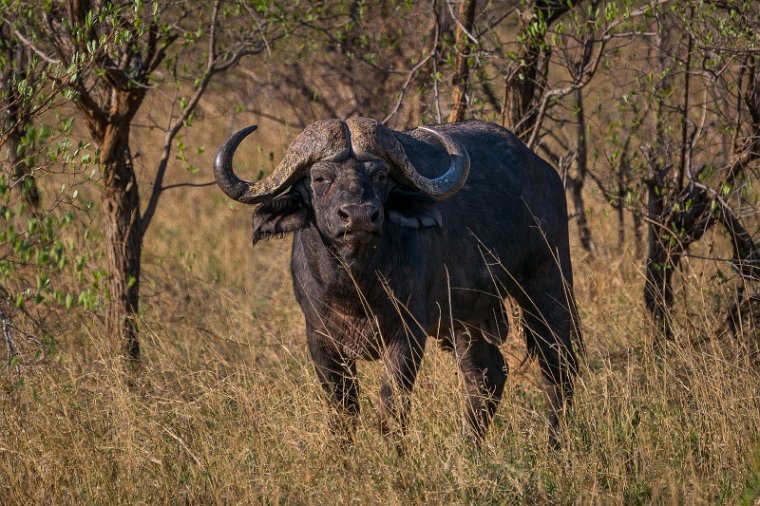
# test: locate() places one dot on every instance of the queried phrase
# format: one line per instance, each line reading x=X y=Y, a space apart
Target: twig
x=190 y=185
x=28 y=43
x=461 y=26
x=184 y=446
x=405 y=86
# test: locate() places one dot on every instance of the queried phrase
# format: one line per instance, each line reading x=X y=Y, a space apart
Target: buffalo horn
x=369 y=137
x=323 y=140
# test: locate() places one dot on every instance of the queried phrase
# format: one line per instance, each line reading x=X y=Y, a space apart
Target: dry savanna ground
x=226 y=407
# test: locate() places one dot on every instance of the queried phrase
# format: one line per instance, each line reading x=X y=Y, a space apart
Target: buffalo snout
x=361 y=217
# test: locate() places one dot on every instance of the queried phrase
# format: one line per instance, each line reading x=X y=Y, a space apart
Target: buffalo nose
x=360 y=216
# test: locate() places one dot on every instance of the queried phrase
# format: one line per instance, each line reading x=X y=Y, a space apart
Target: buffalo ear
x=279 y=216
x=411 y=209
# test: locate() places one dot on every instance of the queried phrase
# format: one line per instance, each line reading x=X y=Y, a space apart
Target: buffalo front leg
x=485 y=372
x=401 y=359
x=338 y=378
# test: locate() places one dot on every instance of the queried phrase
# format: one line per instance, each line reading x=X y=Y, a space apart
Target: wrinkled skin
x=378 y=267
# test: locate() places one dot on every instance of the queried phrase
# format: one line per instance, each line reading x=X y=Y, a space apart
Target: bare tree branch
x=215 y=64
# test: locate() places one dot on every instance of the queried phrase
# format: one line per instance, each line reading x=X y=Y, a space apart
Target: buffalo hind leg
x=485 y=372
x=338 y=378
x=549 y=325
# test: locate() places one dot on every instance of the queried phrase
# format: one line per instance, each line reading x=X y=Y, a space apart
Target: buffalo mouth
x=352 y=239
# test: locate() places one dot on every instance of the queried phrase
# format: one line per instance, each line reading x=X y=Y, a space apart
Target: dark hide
x=432 y=269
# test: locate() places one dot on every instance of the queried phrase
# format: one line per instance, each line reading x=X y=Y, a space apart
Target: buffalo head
x=347 y=179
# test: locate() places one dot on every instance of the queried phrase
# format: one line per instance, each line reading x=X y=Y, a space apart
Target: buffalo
x=398 y=236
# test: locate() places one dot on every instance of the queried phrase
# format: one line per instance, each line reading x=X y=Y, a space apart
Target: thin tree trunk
x=620 y=204
x=121 y=207
x=684 y=166
x=658 y=287
x=623 y=178
x=660 y=263
x=461 y=65
x=525 y=81
x=620 y=209
x=584 y=232
x=578 y=182
x=521 y=85
x=672 y=231
x=638 y=237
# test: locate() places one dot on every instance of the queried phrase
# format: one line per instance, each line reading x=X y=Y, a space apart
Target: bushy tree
x=107 y=57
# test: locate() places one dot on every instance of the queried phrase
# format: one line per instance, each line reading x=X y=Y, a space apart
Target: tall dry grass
x=227 y=409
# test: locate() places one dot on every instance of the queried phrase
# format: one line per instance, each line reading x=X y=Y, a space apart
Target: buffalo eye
x=320 y=179
x=380 y=177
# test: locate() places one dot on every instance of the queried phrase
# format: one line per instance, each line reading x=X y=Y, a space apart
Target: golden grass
x=227 y=409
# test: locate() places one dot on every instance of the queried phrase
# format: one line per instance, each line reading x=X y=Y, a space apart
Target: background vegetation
x=153 y=356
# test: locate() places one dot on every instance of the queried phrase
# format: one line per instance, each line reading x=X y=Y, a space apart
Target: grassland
x=226 y=407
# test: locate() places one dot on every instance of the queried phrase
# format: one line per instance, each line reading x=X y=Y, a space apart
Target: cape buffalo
x=403 y=235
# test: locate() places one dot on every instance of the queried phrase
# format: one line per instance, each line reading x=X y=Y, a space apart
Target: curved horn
x=446 y=185
x=370 y=137
x=324 y=140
